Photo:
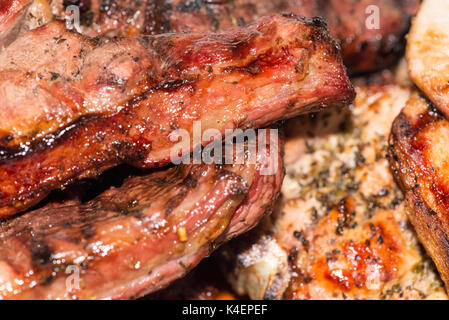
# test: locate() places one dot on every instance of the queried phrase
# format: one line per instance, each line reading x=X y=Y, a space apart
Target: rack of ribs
x=72 y=107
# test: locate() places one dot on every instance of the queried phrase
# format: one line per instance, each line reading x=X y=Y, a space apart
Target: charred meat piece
x=341 y=230
x=371 y=32
x=428 y=52
x=419 y=158
x=126 y=100
x=137 y=238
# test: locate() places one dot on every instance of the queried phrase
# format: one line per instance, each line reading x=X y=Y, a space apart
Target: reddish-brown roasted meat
x=371 y=32
x=139 y=237
x=366 y=46
x=86 y=105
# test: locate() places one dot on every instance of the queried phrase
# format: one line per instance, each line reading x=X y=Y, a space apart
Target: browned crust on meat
x=420 y=168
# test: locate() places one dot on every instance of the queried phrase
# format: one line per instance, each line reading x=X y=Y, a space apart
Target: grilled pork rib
x=137 y=238
x=122 y=100
x=341 y=230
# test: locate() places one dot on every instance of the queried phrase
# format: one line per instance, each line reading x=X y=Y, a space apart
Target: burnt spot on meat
x=40 y=252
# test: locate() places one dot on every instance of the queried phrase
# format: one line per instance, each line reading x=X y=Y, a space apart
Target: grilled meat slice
x=418 y=138
x=130 y=97
x=341 y=230
x=427 y=52
x=366 y=47
x=137 y=238
x=419 y=158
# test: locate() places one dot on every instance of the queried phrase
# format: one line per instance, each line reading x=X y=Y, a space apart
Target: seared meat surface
x=341 y=229
x=137 y=238
x=419 y=158
x=418 y=144
x=365 y=47
x=123 y=100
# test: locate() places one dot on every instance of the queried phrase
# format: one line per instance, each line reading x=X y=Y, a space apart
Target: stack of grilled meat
x=93 y=94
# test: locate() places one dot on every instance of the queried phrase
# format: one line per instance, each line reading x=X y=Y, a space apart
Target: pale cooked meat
x=20 y=16
x=137 y=238
x=419 y=157
x=127 y=97
x=341 y=229
x=428 y=52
